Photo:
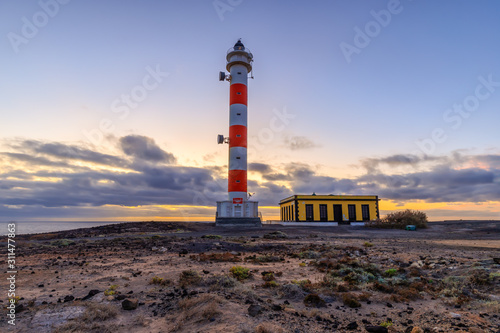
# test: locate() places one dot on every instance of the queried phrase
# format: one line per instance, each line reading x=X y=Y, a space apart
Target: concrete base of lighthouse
x=244 y=214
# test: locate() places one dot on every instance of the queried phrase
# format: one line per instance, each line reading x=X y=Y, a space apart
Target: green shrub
x=386 y=323
x=240 y=273
x=309 y=254
x=270 y=284
x=400 y=219
x=111 y=290
x=212 y=236
x=391 y=272
x=367 y=244
x=160 y=281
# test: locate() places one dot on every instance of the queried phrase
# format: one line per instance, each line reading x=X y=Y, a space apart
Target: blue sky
x=355 y=120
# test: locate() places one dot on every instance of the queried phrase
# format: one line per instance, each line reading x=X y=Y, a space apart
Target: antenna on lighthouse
x=222 y=76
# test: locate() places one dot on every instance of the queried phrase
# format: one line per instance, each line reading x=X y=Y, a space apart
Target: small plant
x=309 y=255
x=302 y=264
x=386 y=323
x=240 y=273
x=367 y=244
x=304 y=284
x=313 y=300
x=160 y=281
x=391 y=272
x=221 y=282
x=190 y=277
x=351 y=301
x=212 y=236
x=268 y=276
x=275 y=235
x=111 y=290
x=270 y=284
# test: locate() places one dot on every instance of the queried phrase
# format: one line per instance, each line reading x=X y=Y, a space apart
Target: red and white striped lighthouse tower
x=239 y=65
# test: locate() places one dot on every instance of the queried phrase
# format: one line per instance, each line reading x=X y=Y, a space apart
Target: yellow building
x=329 y=208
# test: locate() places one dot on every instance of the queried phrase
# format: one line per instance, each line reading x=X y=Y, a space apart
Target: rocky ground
x=174 y=277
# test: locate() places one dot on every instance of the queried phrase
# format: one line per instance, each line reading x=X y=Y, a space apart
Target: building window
x=238 y=158
x=352 y=212
x=365 y=211
x=309 y=213
x=323 y=214
x=238 y=114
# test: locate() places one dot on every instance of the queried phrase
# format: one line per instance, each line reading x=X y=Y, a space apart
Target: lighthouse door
x=237 y=211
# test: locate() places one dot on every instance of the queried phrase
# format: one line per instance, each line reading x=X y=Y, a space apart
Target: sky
x=109 y=110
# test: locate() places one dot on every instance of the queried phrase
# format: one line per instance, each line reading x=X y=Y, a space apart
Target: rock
x=130 y=304
x=69 y=298
x=455 y=315
x=389 y=305
x=277 y=307
x=352 y=326
x=254 y=310
x=417 y=329
x=120 y=297
x=496 y=260
x=46 y=318
x=40 y=285
x=376 y=329
x=183 y=251
x=476 y=330
x=91 y=293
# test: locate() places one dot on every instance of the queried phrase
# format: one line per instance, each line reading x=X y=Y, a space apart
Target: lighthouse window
x=239 y=73
x=238 y=93
x=237 y=181
x=238 y=136
x=238 y=158
x=238 y=114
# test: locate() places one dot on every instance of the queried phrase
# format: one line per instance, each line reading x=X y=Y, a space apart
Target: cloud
x=144 y=148
x=71 y=152
x=45 y=176
x=260 y=167
x=299 y=143
x=372 y=164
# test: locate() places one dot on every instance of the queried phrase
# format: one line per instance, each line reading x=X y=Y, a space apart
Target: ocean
x=49 y=226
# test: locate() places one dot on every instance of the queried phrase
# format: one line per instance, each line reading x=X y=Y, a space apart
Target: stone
x=69 y=298
x=91 y=293
x=352 y=326
x=130 y=304
x=455 y=315
x=417 y=329
x=254 y=310
x=46 y=318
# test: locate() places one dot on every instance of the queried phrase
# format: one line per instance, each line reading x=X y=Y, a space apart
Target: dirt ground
x=180 y=277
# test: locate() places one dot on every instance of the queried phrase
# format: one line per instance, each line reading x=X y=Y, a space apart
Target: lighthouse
x=237 y=210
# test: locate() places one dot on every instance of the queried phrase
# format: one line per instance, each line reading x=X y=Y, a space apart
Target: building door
x=309 y=213
x=352 y=212
x=323 y=214
x=365 y=211
x=337 y=213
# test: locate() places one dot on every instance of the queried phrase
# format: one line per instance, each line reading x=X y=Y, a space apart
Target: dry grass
x=198 y=309
x=267 y=327
x=190 y=277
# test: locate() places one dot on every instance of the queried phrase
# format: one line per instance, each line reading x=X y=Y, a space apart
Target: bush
x=220 y=282
x=212 y=236
x=391 y=272
x=270 y=284
x=400 y=219
x=313 y=300
x=351 y=301
x=190 y=277
x=160 y=281
x=240 y=273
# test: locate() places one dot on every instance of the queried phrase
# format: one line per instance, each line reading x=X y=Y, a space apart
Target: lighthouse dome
x=239 y=45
